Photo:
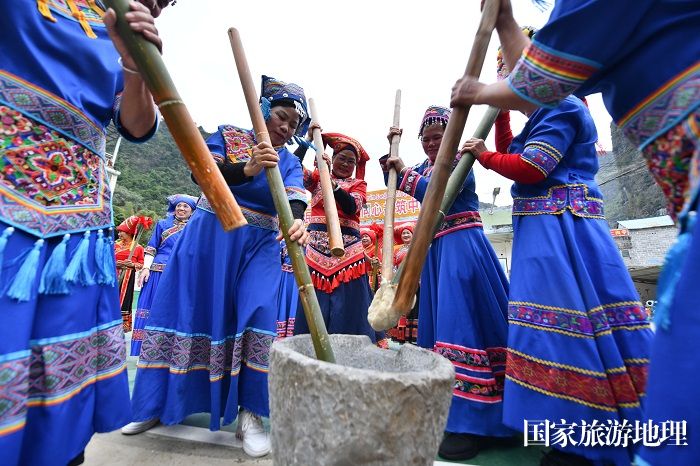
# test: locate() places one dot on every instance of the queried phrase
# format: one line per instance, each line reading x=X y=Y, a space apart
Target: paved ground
x=192 y=444
x=115 y=449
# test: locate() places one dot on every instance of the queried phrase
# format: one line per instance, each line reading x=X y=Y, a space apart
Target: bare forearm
x=502 y=96
x=137 y=113
x=513 y=41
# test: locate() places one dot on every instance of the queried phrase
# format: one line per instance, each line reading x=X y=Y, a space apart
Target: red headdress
x=398 y=229
x=339 y=142
x=131 y=224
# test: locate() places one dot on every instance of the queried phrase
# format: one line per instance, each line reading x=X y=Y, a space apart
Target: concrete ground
x=150 y=448
x=192 y=444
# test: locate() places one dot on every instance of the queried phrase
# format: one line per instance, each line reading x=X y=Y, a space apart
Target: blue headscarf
x=175 y=199
x=273 y=90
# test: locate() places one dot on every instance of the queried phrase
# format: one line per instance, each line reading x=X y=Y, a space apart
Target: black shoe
x=558 y=458
x=459 y=447
x=80 y=459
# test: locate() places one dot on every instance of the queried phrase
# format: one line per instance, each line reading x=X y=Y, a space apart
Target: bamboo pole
x=454 y=187
x=335 y=237
x=418 y=250
x=390 y=205
x=307 y=293
x=185 y=133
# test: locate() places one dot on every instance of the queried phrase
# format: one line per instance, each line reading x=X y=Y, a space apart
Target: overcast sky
x=350 y=57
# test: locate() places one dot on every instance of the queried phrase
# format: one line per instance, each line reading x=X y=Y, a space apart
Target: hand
x=312 y=127
x=465 y=92
x=143 y=277
x=475 y=146
x=297 y=233
x=394 y=131
x=140 y=20
x=374 y=262
x=156 y=6
x=264 y=156
x=394 y=162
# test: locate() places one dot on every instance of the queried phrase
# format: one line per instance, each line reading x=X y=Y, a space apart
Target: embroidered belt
x=559 y=198
x=50 y=184
x=460 y=221
x=128 y=265
x=157 y=267
x=344 y=222
x=254 y=218
x=663 y=109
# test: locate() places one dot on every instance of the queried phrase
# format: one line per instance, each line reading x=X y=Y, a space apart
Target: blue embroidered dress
x=166 y=234
x=578 y=339
x=288 y=296
x=462 y=309
x=214 y=315
x=648 y=69
x=62 y=351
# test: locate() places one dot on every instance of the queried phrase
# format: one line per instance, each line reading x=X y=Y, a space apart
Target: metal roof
x=650 y=222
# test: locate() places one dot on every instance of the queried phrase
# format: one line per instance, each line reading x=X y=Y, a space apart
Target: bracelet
x=126 y=68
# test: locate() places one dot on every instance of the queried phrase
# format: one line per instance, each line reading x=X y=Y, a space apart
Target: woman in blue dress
x=463 y=303
x=288 y=296
x=62 y=352
x=578 y=339
x=648 y=70
x=214 y=315
x=156 y=254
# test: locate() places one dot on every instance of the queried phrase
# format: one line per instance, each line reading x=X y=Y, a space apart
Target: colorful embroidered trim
x=344 y=222
x=176 y=228
x=49 y=185
x=488 y=360
x=664 y=109
x=546 y=76
x=254 y=218
x=328 y=271
x=150 y=250
x=460 y=221
x=49 y=109
x=295 y=194
x=184 y=353
x=157 y=267
x=559 y=198
x=285 y=328
x=542 y=156
x=87 y=10
x=56 y=370
x=239 y=143
x=607 y=391
x=409 y=182
x=669 y=159
x=601 y=320
x=484 y=383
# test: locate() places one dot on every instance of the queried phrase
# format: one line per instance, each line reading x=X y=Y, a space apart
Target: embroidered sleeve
x=573 y=46
x=413 y=184
x=154 y=242
x=217 y=146
x=293 y=178
x=551 y=136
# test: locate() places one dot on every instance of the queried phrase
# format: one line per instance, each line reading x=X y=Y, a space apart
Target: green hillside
x=150 y=172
